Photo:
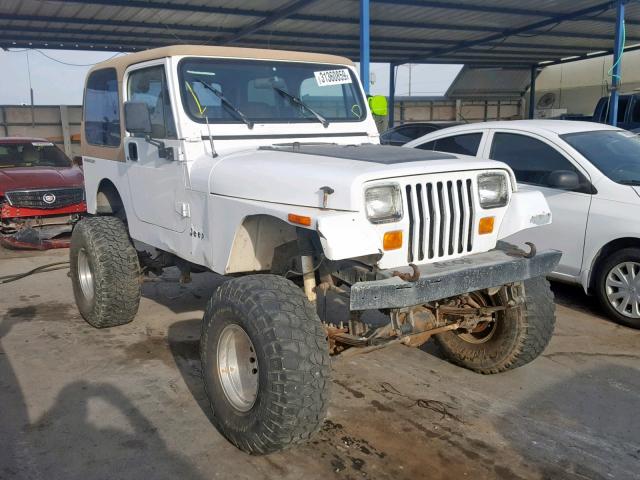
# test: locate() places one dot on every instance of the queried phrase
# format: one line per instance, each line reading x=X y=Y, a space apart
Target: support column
x=617 y=55
x=392 y=93
x=364 y=45
x=66 y=135
x=532 y=91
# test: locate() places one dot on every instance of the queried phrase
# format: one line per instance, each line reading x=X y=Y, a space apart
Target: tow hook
x=514 y=251
x=532 y=251
x=409 y=277
x=326 y=191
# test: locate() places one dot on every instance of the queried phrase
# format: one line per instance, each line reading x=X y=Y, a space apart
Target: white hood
x=294 y=175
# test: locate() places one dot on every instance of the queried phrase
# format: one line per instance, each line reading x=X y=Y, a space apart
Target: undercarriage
x=471 y=315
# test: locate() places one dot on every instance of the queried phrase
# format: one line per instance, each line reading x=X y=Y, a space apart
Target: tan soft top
x=123 y=62
x=120 y=64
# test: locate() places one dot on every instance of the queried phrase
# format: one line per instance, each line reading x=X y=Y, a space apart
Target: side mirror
x=137 y=118
x=77 y=160
x=564 y=179
x=378 y=105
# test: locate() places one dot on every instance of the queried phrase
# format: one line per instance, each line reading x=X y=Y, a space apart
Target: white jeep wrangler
x=265 y=166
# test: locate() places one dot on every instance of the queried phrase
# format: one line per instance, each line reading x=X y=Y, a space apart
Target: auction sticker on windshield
x=332 y=77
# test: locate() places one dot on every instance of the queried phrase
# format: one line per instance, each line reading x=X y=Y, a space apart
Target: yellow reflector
x=392 y=240
x=300 y=220
x=486 y=225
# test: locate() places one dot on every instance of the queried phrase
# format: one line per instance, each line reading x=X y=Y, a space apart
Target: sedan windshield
x=225 y=91
x=615 y=153
x=32 y=154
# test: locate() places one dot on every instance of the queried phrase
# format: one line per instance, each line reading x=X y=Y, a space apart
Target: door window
x=102 y=109
x=464 y=144
x=148 y=85
x=531 y=160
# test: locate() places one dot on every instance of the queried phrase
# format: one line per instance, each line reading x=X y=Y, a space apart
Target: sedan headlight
x=493 y=190
x=383 y=203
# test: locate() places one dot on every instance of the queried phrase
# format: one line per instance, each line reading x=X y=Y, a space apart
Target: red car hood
x=21 y=178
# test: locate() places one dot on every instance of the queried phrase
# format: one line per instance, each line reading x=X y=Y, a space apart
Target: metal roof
x=508 y=33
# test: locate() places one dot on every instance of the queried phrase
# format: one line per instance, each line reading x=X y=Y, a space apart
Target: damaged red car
x=41 y=194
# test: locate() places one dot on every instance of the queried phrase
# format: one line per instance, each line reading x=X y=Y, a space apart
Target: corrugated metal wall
x=59 y=124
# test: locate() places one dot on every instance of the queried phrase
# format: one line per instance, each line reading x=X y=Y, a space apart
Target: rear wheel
x=104 y=272
x=265 y=363
x=618 y=286
x=516 y=336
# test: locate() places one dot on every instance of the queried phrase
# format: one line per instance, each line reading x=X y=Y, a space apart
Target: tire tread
x=298 y=360
x=117 y=276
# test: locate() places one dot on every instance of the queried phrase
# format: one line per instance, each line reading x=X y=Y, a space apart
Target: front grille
x=45 y=199
x=441 y=218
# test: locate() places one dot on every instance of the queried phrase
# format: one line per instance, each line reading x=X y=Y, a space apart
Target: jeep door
x=156 y=182
x=533 y=158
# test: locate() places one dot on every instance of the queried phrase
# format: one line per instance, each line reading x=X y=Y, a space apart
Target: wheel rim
x=484 y=330
x=85 y=276
x=238 y=367
x=622 y=287
x=480 y=334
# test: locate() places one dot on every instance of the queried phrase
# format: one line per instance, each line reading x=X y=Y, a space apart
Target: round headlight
x=493 y=190
x=383 y=203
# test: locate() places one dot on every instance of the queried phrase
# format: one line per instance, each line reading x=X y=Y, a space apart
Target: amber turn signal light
x=299 y=219
x=392 y=240
x=486 y=225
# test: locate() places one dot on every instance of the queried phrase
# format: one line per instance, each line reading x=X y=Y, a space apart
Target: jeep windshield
x=269 y=92
x=32 y=154
x=615 y=153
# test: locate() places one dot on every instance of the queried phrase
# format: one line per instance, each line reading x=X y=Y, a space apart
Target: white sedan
x=590 y=176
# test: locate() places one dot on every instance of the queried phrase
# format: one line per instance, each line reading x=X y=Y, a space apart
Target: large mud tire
x=520 y=334
x=279 y=339
x=105 y=272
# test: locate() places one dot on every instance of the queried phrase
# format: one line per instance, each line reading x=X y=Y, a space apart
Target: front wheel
x=265 y=363
x=517 y=335
x=618 y=286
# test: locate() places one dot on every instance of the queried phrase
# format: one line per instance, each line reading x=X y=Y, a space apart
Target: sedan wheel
x=623 y=289
x=617 y=286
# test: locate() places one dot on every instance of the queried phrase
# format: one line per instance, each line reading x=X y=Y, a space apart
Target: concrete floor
x=127 y=403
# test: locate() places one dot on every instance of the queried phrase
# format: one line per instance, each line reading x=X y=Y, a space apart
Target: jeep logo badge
x=48 y=198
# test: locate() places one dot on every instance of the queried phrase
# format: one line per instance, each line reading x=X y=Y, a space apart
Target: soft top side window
x=102 y=109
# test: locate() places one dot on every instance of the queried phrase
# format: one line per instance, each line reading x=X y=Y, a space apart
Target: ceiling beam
x=210 y=31
x=135 y=40
x=172 y=6
x=187 y=7
x=504 y=10
x=211 y=34
x=530 y=28
x=122 y=37
x=281 y=13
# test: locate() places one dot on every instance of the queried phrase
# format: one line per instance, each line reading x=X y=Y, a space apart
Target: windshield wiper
x=299 y=102
x=633 y=183
x=227 y=102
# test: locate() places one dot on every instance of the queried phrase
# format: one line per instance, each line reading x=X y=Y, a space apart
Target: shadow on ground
x=69 y=441
x=580 y=427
